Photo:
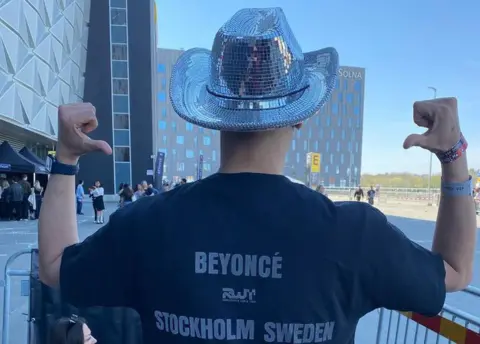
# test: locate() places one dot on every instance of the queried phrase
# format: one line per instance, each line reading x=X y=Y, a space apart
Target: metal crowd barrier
x=110 y=325
x=452 y=325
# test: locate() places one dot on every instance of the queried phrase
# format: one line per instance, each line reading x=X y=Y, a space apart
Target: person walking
x=257 y=255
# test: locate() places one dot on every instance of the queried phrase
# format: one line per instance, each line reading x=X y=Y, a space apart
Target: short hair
x=68 y=331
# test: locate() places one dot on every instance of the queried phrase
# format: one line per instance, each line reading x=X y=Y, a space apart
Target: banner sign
x=200 y=167
x=159 y=170
x=315 y=162
x=5 y=167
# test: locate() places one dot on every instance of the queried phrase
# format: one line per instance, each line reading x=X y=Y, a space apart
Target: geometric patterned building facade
x=43 y=48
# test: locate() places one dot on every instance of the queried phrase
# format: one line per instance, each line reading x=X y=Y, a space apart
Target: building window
x=298 y=158
x=316 y=146
x=180 y=166
x=326 y=168
x=164 y=112
x=122 y=173
x=162 y=97
x=121 y=138
x=214 y=155
x=334 y=108
x=343 y=134
x=344 y=108
x=161 y=68
x=162 y=125
x=342 y=158
x=207 y=167
x=339 y=121
x=328 y=121
x=180 y=140
x=118 y=3
x=120 y=86
x=345 y=84
x=119 y=52
x=119 y=69
x=338 y=146
x=349 y=98
x=163 y=83
x=119 y=34
x=122 y=154
x=119 y=16
x=332 y=134
x=356 y=110
x=206 y=140
x=165 y=138
x=321 y=133
x=305 y=145
x=357 y=86
x=340 y=97
x=120 y=104
x=331 y=158
x=358 y=122
x=309 y=133
x=317 y=120
x=356 y=147
x=174 y=152
x=293 y=144
x=188 y=126
x=120 y=121
x=189 y=154
x=174 y=126
x=327 y=146
x=195 y=142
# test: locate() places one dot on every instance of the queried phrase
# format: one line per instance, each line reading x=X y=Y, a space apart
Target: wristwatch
x=54 y=166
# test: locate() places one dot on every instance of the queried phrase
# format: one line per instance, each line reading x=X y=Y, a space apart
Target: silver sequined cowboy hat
x=254 y=78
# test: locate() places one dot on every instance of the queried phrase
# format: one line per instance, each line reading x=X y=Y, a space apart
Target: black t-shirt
x=253 y=258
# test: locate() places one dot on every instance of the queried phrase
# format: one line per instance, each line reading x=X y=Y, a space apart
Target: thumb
x=415 y=140
x=99 y=145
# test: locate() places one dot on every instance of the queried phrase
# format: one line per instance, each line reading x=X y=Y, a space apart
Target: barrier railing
x=452 y=325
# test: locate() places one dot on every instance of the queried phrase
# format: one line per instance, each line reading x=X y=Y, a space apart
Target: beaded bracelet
x=455 y=152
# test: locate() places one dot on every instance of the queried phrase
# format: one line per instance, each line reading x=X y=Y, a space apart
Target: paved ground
x=16 y=236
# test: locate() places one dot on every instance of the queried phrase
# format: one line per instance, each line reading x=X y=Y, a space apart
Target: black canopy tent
x=27 y=153
x=13 y=162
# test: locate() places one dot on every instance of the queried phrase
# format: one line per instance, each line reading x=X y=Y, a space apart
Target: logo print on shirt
x=245 y=296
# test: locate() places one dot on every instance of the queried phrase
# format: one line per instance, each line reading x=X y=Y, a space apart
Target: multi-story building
x=118 y=81
x=42 y=65
x=335 y=132
x=183 y=143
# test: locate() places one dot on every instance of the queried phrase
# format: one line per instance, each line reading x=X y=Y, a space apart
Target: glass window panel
x=119 y=34
x=214 y=155
x=121 y=137
x=334 y=108
x=120 y=104
x=162 y=96
x=122 y=154
x=122 y=173
x=189 y=153
x=120 y=86
x=120 y=121
x=340 y=97
x=161 y=68
x=356 y=110
x=164 y=82
x=118 y=3
x=119 y=69
x=357 y=86
x=180 y=139
x=293 y=144
x=349 y=97
x=119 y=52
x=162 y=125
x=119 y=16
x=206 y=140
x=164 y=112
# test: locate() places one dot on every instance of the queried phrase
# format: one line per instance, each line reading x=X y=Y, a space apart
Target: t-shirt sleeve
x=100 y=270
x=397 y=273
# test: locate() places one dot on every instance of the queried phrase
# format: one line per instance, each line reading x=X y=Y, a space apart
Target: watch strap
x=457 y=189
x=60 y=168
x=455 y=152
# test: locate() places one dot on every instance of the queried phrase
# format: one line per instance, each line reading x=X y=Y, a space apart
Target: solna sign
x=349 y=74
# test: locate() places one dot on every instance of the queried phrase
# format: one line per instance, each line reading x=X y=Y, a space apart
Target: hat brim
x=192 y=102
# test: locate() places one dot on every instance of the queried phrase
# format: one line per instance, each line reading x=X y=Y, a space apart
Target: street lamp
x=431 y=158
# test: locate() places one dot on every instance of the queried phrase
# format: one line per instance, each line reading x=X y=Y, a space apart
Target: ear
x=298 y=126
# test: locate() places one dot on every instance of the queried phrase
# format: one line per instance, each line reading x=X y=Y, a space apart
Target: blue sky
x=405 y=47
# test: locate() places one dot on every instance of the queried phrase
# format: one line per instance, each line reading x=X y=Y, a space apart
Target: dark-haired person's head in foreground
x=71 y=331
x=246 y=255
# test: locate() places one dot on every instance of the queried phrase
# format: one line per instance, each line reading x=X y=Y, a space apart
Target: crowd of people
x=18 y=199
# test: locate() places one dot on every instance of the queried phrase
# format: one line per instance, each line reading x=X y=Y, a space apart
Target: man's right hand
x=75 y=121
x=440 y=117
